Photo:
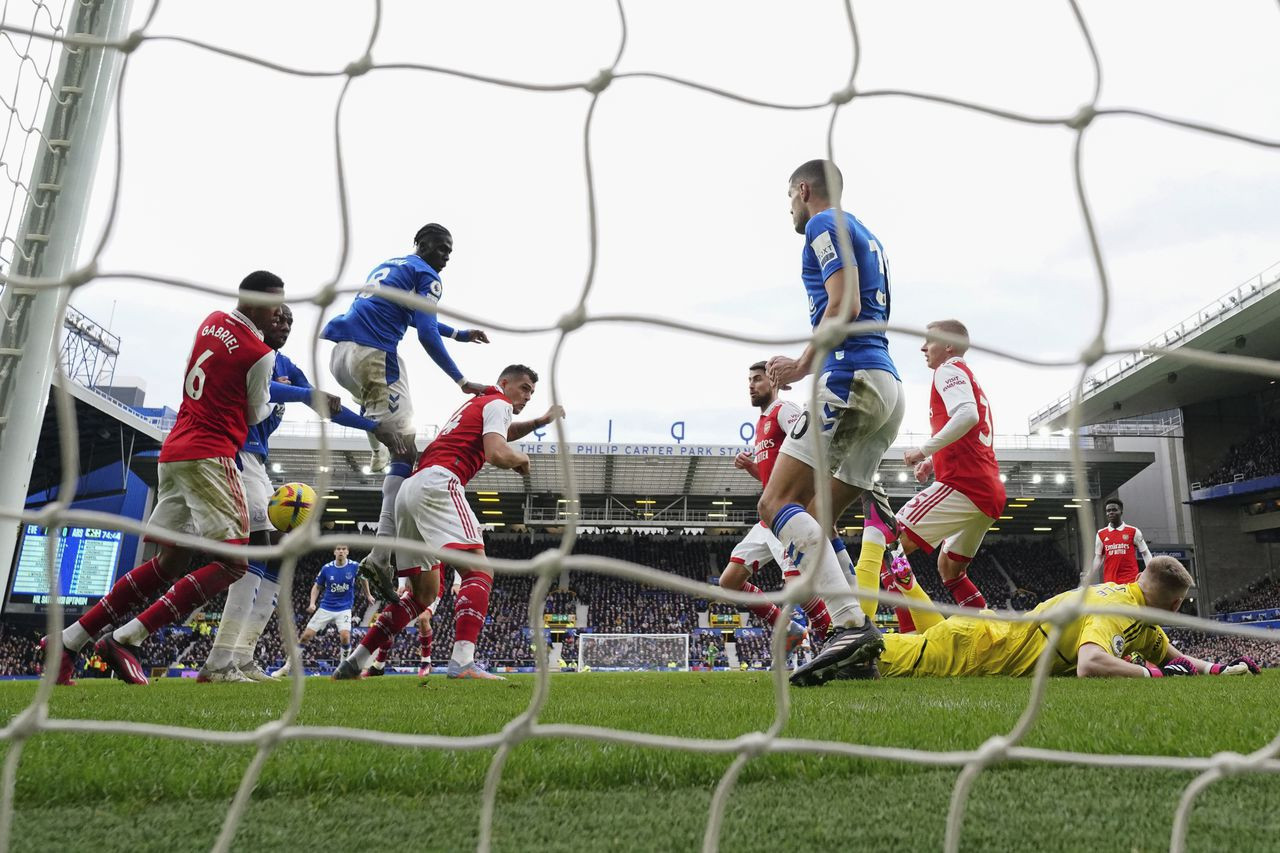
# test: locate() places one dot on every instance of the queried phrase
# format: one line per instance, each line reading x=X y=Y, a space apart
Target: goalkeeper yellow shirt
x=1119 y=635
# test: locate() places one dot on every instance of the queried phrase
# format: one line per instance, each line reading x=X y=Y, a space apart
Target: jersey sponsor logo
x=1117 y=548
x=1117 y=645
x=801 y=426
x=823 y=248
x=955 y=380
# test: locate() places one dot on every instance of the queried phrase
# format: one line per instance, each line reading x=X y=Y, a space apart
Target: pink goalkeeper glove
x=1243 y=665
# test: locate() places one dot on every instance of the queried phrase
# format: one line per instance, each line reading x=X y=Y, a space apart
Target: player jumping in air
x=335 y=587
x=432 y=508
x=1094 y=644
x=365 y=362
x=777 y=416
x=966 y=496
x=252 y=599
x=226 y=388
x=860 y=407
x=1116 y=547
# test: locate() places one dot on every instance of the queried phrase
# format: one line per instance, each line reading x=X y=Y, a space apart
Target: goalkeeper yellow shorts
x=962 y=646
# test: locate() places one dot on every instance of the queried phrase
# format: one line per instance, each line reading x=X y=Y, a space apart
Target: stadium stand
x=1257 y=456
x=1011 y=572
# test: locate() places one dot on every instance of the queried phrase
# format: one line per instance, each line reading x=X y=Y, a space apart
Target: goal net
x=35 y=39
x=633 y=652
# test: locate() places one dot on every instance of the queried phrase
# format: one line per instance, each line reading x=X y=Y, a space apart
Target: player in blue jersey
x=335 y=589
x=252 y=599
x=365 y=361
x=860 y=407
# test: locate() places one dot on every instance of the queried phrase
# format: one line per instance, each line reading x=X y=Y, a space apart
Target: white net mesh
x=34 y=37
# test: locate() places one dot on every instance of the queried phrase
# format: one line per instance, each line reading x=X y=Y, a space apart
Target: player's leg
x=391 y=621
x=860 y=416
x=743 y=562
x=956 y=554
x=214 y=496
x=140 y=584
x=426 y=636
x=264 y=604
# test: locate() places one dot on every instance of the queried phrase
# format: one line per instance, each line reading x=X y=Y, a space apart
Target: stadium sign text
x=704 y=450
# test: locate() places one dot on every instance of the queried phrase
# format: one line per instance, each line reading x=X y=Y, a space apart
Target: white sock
x=133 y=634
x=234 y=613
x=74 y=636
x=361 y=656
x=377 y=664
x=813 y=554
x=464 y=652
x=264 y=604
x=387 y=517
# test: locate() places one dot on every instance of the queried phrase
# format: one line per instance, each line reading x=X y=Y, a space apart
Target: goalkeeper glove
x=1180 y=666
x=1152 y=670
x=1239 y=666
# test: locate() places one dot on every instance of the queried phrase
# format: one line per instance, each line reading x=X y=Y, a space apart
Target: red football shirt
x=460 y=445
x=227 y=386
x=1119 y=547
x=968 y=464
x=772 y=429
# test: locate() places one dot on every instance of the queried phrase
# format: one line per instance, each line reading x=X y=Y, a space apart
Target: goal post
x=59 y=185
x=633 y=652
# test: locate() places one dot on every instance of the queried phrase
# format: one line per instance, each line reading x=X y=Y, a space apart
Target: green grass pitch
x=104 y=793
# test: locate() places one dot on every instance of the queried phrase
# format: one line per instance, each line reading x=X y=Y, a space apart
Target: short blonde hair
x=953 y=327
x=1168 y=578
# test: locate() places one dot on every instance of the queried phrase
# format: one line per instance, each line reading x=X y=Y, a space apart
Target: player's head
x=1115 y=511
x=277 y=334
x=434 y=244
x=260 y=281
x=760 y=386
x=340 y=552
x=937 y=351
x=517 y=383
x=810 y=191
x=1165 y=583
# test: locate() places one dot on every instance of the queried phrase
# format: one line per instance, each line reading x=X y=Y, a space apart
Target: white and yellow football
x=291 y=506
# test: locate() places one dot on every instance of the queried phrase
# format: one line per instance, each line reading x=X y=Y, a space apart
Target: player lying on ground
x=1094 y=644
x=860 y=407
x=333 y=594
x=966 y=497
x=200 y=491
x=252 y=599
x=432 y=508
x=1116 y=547
x=760 y=545
x=365 y=361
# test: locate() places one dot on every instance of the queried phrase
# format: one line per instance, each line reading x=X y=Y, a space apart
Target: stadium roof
x=1245 y=321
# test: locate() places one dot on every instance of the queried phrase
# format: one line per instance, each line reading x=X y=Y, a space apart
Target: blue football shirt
x=259 y=436
x=338 y=586
x=822 y=257
x=374 y=321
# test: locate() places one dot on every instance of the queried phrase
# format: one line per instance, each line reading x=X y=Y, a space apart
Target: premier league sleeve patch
x=824 y=249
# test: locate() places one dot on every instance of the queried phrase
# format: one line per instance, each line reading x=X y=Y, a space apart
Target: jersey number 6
x=195 y=377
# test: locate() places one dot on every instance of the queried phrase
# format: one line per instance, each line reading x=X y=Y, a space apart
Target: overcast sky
x=229 y=167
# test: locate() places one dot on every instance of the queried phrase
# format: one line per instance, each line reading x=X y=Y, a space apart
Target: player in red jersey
x=1116 y=547
x=760 y=545
x=227 y=387
x=432 y=508
x=966 y=496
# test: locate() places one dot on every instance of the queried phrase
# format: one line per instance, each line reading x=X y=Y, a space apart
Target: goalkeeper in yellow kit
x=1094 y=644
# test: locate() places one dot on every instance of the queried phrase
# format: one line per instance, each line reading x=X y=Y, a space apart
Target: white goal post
x=633 y=652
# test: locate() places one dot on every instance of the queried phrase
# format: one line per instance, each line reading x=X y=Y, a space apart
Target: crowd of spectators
x=1256 y=456
x=1262 y=594
x=1036 y=568
x=1225 y=647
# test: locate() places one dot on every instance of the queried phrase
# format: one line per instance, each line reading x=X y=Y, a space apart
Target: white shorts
x=322 y=619
x=758 y=547
x=204 y=497
x=432 y=508
x=378 y=382
x=941 y=515
x=860 y=413
x=257 y=490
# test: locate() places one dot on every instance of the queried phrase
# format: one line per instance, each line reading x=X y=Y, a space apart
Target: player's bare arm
x=315 y=593
x=744 y=462
x=1093 y=661
x=502 y=455
x=520 y=429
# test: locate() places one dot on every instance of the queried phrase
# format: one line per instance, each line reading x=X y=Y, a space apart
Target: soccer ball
x=291 y=506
